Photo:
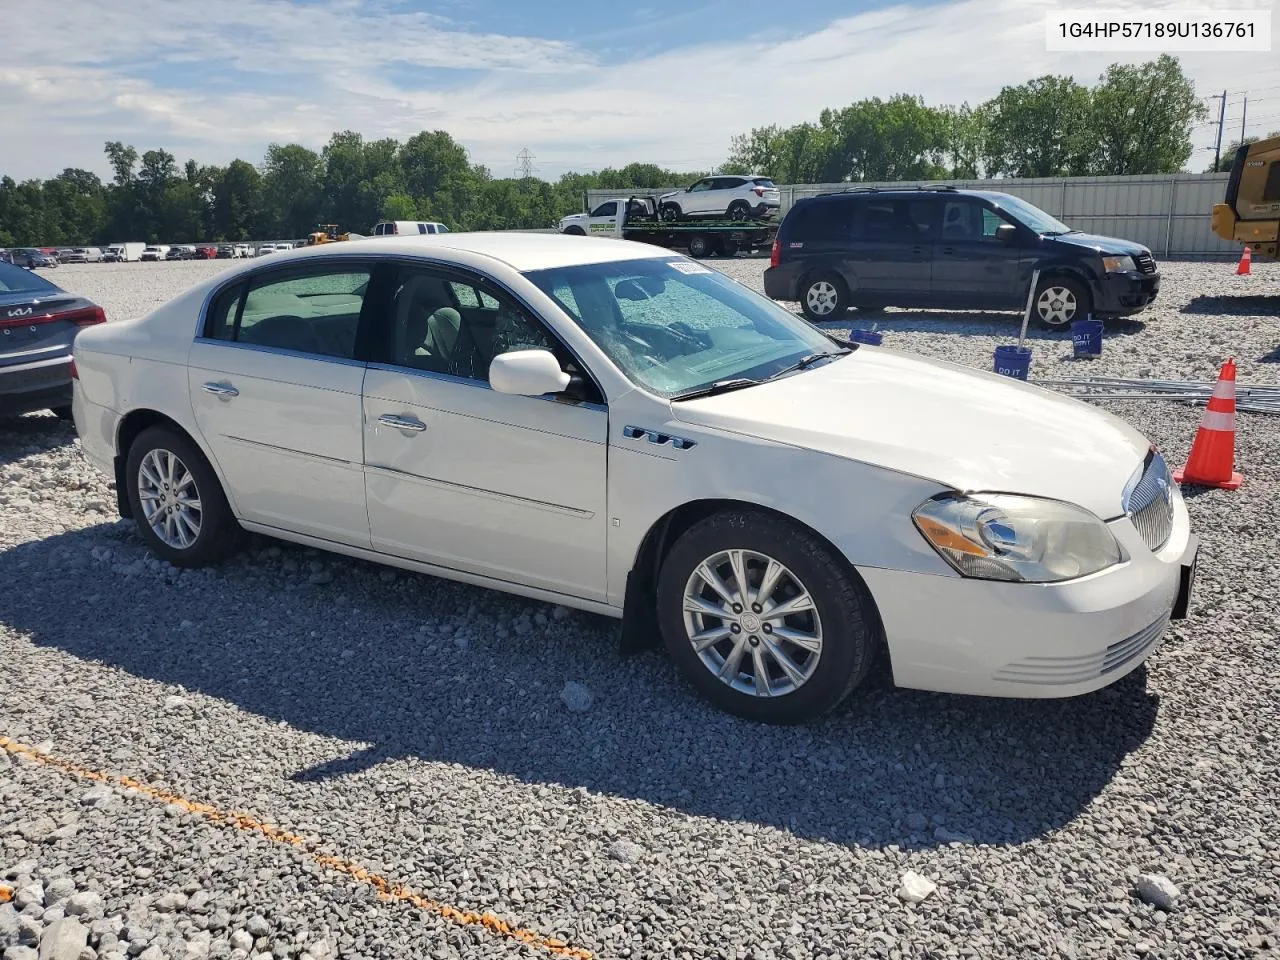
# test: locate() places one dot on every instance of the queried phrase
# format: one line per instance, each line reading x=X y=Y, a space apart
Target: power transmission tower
x=524 y=164
x=1222 y=116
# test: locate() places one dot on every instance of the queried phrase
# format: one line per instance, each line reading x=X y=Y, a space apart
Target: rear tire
x=168 y=473
x=62 y=413
x=810 y=659
x=699 y=246
x=671 y=212
x=824 y=297
x=728 y=247
x=739 y=210
x=1059 y=301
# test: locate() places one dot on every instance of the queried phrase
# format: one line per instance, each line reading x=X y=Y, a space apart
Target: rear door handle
x=223 y=391
x=402 y=422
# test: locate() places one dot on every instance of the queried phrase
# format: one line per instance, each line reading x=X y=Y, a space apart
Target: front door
x=276 y=388
x=458 y=475
x=972 y=268
x=603 y=219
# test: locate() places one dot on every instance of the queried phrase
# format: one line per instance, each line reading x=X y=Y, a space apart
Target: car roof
x=994 y=195
x=520 y=251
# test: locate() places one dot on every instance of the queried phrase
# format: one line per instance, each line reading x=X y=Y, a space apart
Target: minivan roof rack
x=836 y=193
x=938 y=186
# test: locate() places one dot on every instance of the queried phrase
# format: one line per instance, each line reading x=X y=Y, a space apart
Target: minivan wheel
x=824 y=296
x=764 y=618
x=1059 y=300
x=177 y=501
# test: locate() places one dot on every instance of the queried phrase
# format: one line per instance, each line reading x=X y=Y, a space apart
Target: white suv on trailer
x=732 y=197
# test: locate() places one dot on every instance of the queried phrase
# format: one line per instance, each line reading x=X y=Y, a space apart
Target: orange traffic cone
x=1214 y=451
x=1246 y=261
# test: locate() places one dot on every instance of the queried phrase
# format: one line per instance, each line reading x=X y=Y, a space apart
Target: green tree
x=123 y=159
x=895 y=139
x=430 y=161
x=1039 y=129
x=291 y=190
x=237 y=202
x=1142 y=118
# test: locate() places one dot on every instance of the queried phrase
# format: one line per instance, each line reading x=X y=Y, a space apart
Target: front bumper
x=39 y=385
x=1121 y=294
x=1034 y=640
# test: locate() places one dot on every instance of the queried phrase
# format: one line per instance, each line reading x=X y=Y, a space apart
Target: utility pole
x=1244 y=112
x=1222 y=116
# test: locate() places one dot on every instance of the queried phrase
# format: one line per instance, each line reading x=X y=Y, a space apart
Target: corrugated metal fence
x=1169 y=214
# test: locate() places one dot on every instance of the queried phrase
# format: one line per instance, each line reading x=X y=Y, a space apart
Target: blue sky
x=581 y=84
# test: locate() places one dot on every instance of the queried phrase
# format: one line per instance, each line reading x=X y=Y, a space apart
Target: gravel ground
x=495 y=754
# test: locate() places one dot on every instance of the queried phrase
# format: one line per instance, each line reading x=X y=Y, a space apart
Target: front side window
x=1032 y=216
x=316 y=313
x=700 y=186
x=444 y=325
x=673 y=325
x=606 y=209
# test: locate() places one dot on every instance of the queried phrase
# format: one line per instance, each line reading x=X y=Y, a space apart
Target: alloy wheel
x=1057 y=305
x=822 y=298
x=752 y=623
x=170 y=499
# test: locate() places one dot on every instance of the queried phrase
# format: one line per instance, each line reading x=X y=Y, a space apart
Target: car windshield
x=1032 y=216
x=17 y=280
x=674 y=326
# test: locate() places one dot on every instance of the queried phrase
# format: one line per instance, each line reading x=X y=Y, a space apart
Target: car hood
x=968 y=430
x=1102 y=244
x=575 y=216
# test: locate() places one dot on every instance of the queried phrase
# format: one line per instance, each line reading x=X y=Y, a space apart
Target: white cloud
x=224 y=79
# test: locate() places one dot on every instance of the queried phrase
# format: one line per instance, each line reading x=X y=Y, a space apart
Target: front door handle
x=223 y=391
x=402 y=422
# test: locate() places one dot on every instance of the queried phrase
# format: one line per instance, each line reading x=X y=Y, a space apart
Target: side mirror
x=527 y=373
x=1006 y=233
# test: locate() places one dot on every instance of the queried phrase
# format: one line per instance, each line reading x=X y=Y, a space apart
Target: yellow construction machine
x=327 y=233
x=1250 y=214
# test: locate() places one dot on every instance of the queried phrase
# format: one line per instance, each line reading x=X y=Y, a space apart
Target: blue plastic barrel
x=1086 y=338
x=866 y=336
x=1013 y=361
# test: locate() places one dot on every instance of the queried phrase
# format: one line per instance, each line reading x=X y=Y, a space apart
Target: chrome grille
x=1148 y=503
x=1145 y=262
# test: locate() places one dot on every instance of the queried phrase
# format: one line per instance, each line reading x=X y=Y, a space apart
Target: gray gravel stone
x=913 y=888
x=626 y=851
x=85 y=903
x=1157 y=890
x=21 y=953
x=64 y=940
x=576 y=697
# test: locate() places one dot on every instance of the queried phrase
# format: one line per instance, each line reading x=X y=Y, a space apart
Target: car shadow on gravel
x=444 y=672
x=973 y=324
x=1244 y=304
x=20 y=437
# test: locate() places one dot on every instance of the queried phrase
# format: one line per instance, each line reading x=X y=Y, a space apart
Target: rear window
x=1271 y=191
x=762 y=182
x=16 y=280
x=824 y=220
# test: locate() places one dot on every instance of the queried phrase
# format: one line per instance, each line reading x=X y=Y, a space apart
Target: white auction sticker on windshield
x=684 y=266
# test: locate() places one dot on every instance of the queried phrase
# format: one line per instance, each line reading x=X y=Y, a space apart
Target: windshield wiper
x=810 y=360
x=720 y=386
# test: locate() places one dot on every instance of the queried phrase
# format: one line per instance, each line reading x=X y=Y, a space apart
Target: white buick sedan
x=612 y=427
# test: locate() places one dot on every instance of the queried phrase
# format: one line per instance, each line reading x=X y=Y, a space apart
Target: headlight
x=1003 y=537
x=1118 y=264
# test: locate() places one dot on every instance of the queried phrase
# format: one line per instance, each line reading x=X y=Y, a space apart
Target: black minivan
x=951 y=249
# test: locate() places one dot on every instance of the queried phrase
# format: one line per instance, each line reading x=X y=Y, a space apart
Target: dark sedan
x=31 y=258
x=38 y=322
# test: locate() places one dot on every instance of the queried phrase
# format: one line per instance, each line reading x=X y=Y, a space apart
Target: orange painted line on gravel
x=388 y=891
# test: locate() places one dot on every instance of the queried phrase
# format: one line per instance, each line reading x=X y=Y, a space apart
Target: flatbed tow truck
x=636 y=218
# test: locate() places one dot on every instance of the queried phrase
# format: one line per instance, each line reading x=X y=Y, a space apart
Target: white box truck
x=120 y=252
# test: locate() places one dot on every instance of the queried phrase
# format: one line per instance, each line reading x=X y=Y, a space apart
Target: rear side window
x=898 y=220
x=824 y=220
x=220 y=323
x=422 y=228
x=762 y=182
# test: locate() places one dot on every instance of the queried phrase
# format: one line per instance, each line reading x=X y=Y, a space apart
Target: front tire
x=575 y=232
x=699 y=246
x=177 y=501
x=824 y=296
x=765 y=619
x=1060 y=300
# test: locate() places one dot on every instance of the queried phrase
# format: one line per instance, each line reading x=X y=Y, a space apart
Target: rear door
x=275 y=384
x=972 y=269
x=891 y=250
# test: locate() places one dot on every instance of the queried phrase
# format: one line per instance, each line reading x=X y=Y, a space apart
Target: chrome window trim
x=478 y=384
x=279 y=351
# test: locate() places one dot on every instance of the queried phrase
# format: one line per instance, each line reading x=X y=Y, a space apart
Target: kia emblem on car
x=20 y=311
